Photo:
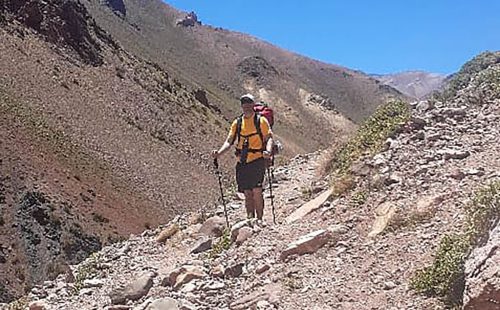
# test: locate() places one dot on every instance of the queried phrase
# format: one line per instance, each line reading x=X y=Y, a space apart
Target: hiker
x=254 y=144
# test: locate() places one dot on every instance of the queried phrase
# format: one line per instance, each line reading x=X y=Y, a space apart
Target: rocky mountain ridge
x=359 y=244
x=415 y=84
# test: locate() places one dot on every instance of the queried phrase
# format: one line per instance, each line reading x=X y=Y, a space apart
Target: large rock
x=309 y=206
x=243 y=234
x=213 y=227
x=307 y=244
x=453 y=153
x=235 y=229
x=183 y=275
x=202 y=245
x=134 y=290
x=167 y=233
x=163 y=304
x=482 y=275
x=38 y=305
x=270 y=293
x=383 y=215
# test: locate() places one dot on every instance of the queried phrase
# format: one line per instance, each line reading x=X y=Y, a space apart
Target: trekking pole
x=219 y=174
x=270 y=177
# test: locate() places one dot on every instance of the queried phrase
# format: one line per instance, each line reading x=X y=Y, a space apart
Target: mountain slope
x=228 y=64
x=415 y=84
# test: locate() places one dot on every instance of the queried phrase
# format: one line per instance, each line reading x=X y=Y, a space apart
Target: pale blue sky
x=373 y=36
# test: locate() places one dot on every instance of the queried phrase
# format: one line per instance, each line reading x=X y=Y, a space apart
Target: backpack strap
x=259 y=130
x=257 y=127
x=239 y=120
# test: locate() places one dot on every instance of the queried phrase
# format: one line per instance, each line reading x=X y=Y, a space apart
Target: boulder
x=38 y=305
x=307 y=244
x=482 y=275
x=203 y=245
x=243 y=234
x=167 y=233
x=135 y=290
x=163 y=304
x=183 y=275
x=213 y=227
x=383 y=215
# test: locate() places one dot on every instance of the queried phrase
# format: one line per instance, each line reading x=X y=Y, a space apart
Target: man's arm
x=227 y=144
x=267 y=136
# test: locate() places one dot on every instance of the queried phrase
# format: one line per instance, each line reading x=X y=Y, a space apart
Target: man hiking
x=254 y=145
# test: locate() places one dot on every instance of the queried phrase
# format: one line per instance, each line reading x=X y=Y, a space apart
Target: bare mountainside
x=95 y=143
x=228 y=63
x=415 y=84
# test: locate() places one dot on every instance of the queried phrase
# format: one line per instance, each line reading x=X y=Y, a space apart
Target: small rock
x=457 y=174
x=453 y=154
x=389 y=285
x=234 y=271
x=202 y=246
x=163 y=304
x=217 y=271
x=262 y=268
x=38 y=305
x=423 y=106
x=236 y=228
x=134 y=290
x=307 y=244
x=183 y=275
x=87 y=283
x=167 y=233
x=243 y=234
x=213 y=227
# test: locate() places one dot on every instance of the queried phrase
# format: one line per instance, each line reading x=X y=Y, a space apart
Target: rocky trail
x=356 y=247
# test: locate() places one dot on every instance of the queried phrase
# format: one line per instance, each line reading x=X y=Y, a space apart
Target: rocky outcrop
x=190 y=20
x=62 y=22
x=117 y=6
x=482 y=275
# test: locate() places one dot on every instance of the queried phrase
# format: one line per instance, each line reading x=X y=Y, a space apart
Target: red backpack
x=264 y=110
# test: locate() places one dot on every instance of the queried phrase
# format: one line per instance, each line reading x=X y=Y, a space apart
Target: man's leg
x=249 y=203
x=258 y=201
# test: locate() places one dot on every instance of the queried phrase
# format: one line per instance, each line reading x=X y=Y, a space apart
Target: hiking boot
x=261 y=223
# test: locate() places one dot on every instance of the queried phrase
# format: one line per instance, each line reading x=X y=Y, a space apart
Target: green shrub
x=19 y=304
x=359 y=198
x=462 y=78
x=87 y=270
x=223 y=244
x=445 y=277
x=483 y=213
x=370 y=136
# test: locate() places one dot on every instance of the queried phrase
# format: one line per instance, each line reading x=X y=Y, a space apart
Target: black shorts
x=250 y=175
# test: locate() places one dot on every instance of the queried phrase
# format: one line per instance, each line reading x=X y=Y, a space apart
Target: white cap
x=248 y=97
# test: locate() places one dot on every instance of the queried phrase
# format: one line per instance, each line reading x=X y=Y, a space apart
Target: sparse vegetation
x=462 y=78
x=306 y=192
x=87 y=270
x=223 y=244
x=359 y=198
x=370 y=136
x=445 y=277
x=20 y=304
x=343 y=185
